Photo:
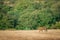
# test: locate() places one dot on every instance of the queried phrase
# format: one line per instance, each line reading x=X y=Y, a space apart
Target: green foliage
x=4 y=16
x=56 y=26
x=29 y=14
x=35 y=13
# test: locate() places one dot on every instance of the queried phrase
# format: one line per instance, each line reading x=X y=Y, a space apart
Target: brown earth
x=29 y=35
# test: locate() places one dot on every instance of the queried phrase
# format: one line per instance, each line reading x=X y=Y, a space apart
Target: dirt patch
x=29 y=35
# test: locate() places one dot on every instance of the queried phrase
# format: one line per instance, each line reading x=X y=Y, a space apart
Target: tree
x=35 y=13
x=29 y=14
x=4 y=16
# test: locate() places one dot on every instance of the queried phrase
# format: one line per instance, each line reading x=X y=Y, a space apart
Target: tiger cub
x=43 y=29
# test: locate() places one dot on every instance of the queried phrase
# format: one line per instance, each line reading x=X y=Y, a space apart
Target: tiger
x=43 y=29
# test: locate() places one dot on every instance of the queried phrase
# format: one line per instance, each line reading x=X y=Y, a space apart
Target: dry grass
x=29 y=35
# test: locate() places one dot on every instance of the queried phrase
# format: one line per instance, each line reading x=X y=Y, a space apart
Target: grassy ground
x=29 y=35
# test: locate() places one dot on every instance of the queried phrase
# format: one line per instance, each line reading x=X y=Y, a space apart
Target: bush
x=56 y=26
